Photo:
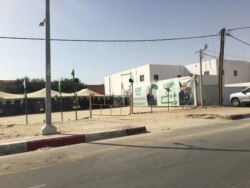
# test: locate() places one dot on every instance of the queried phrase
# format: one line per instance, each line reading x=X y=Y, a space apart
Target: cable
x=239 y=28
x=143 y=40
x=238 y=39
x=236 y=64
x=209 y=55
x=21 y=38
x=230 y=55
x=83 y=40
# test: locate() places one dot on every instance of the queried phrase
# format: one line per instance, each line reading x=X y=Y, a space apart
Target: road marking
x=38 y=186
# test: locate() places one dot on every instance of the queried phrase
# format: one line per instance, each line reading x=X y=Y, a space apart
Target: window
x=223 y=73
x=235 y=73
x=141 y=78
x=178 y=76
x=156 y=77
x=206 y=73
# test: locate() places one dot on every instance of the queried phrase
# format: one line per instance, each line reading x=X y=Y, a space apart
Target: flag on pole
x=24 y=86
x=59 y=87
x=73 y=73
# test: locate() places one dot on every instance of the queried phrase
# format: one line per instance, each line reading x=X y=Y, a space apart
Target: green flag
x=73 y=73
x=154 y=86
x=205 y=46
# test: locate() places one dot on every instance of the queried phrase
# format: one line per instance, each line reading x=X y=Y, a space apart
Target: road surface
x=202 y=156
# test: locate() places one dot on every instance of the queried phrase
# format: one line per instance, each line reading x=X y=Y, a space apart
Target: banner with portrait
x=170 y=92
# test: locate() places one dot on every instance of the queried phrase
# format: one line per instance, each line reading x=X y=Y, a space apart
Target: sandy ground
x=15 y=127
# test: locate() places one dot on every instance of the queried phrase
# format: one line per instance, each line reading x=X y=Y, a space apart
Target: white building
x=234 y=72
x=118 y=83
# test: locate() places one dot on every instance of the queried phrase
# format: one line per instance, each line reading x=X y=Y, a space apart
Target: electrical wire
x=143 y=40
x=137 y=40
x=238 y=28
x=229 y=55
x=238 y=39
x=236 y=64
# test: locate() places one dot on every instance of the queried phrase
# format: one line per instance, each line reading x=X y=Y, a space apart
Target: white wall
x=243 y=70
x=118 y=83
x=167 y=71
x=209 y=65
x=114 y=82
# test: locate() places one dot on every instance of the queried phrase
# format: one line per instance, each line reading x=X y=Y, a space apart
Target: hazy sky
x=116 y=19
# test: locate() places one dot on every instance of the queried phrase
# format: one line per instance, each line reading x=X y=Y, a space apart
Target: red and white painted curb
x=19 y=147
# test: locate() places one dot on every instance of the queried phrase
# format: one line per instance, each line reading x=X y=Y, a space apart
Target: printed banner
x=172 y=92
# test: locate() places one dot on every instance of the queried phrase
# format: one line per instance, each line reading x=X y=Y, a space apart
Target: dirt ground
x=15 y=127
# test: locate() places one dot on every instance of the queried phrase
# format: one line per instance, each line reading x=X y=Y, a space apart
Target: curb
x=20 y=147
x=214 y=116
x=237 y=116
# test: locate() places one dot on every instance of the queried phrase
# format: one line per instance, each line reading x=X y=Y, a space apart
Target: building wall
x=210 y=82
x=167 y=71
x=242 y=68
x=209 y=65
x=118 y=83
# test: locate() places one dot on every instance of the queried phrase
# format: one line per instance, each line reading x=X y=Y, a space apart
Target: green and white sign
x=171 y=92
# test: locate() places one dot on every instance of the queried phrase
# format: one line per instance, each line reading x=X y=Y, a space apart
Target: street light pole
x=201 y=79
x=48 y=128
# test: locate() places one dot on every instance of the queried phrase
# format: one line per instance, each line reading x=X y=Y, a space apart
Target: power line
x=230 y=55
x=136 y=40
x=209 y=55
x=238 y=39
x=238 y=28
x=106 y=41
x=233 y=63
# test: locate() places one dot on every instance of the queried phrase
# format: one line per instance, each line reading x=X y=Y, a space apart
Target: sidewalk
x=19 y=137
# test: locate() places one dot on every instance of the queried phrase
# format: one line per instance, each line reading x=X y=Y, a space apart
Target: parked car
x=239 y=98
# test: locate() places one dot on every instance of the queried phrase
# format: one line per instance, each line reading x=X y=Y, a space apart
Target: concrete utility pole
x=201 y=79
x=220 y=71
x=48 y=128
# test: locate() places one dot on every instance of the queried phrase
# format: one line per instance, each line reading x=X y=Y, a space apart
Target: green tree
x=68 y=85
x=17 y=87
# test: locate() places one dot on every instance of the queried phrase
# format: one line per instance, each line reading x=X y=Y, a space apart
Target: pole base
x=48 y=130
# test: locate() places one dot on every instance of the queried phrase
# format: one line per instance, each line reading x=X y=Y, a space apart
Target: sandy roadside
x=14 y=127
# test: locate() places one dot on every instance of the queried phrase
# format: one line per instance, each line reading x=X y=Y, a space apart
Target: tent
x=42 y=94
x=4 y=95
x=87 y=92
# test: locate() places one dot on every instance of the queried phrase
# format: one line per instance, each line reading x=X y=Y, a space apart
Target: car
x=239 y=98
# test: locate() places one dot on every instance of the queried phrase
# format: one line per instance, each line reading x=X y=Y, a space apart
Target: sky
x=116 y=20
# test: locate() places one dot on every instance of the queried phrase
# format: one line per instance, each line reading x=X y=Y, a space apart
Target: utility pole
x=48 y=128
x=201 y=80
x=220 y=71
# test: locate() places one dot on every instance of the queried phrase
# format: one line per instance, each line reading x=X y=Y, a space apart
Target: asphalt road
x=203 y=156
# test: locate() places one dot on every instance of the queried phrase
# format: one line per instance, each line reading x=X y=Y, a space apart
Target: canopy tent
x=244 y=84
x=4 y=95
x=87 y=92
x=42 y=93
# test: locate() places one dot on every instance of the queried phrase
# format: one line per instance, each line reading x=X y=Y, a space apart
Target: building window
x=223 y=73
x=206 y=73
x=141 y=78
x=235 y=73
x=156 y=77
x=178 y=76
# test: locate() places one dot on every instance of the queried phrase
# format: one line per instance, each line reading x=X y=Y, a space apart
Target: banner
x=171 y=92
x=140 y=95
